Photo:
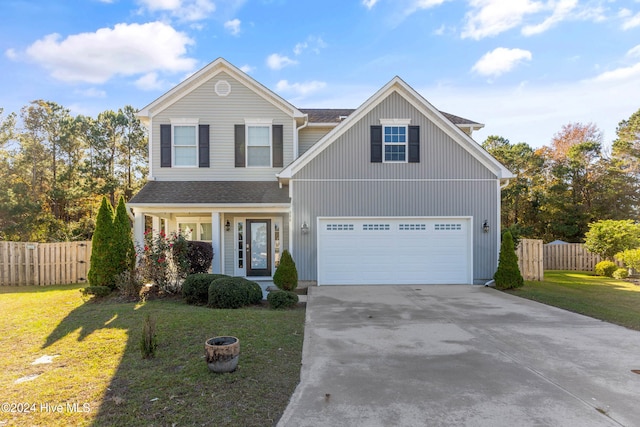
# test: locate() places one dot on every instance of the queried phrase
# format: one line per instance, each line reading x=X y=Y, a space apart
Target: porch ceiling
x=211 y=192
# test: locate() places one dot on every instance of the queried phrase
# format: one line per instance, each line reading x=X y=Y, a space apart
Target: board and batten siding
x=448 y=181
x=313 y=199
x=349 y=156
x=221 y=113
x=309 y=136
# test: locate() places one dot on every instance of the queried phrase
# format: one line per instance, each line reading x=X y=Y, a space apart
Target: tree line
x=574 y=181
x=55 y=167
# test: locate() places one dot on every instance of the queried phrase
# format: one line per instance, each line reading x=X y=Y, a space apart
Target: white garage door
x=394 y=251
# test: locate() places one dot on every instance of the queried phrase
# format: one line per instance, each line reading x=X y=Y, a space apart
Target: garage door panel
x=394 y=251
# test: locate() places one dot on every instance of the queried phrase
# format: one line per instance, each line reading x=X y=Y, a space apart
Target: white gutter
x=296 y=143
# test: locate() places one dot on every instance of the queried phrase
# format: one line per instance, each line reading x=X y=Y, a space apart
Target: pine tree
x=124 y=252
x=508 y=275
x=286 y=275
x=102 y=271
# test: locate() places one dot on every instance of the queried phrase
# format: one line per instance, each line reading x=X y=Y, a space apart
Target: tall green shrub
x=286 y=275
x=508 y=275
x=123 y=250
x=608 y=237
x=103 y=270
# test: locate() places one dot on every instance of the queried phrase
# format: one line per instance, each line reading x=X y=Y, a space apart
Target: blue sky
x=523 y=68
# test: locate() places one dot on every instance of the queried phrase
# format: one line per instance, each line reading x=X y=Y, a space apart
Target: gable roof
x=444 y=122
x=207 y=73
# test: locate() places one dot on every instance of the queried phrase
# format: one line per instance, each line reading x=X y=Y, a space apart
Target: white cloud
x=247 y=68
x=620 y=74
x=186 y=10
x=126 y=49
x=369 y=3
x=150 y=81
x=92 y=92
x=500 y=60
x=300 y=88
x=562 y=10
x=634 y=52
x=11 y=54
x=277 y=62
x=630 y=21
x=233 y=26
x=313 y=43
x=491 y=17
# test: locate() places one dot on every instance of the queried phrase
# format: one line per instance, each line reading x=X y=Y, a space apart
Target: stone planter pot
x=222 y=353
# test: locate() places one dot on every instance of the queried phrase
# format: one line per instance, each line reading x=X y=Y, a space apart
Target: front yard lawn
x=64 y=361
x=603 y=298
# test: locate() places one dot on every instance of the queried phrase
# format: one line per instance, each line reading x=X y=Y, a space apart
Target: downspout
x=296 y=144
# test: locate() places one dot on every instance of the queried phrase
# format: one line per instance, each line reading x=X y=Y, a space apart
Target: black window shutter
x=239 y=141
x=165 y=146
x=376 y=144
x=414 y=144
x=277 y=149
x=203 y=146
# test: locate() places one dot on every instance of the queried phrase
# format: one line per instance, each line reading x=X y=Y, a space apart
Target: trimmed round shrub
x=605 y=268
x=620 y=274
x=233 y=292
x=286 y=275
x=195 y=289
x=279 y=300
x=199 y=255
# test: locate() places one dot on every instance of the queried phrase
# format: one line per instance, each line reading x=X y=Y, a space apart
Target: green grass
x=98 y=363
x=603 y=298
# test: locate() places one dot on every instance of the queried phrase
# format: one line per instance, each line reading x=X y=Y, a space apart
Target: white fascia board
x=205 y=74
x=420 y=103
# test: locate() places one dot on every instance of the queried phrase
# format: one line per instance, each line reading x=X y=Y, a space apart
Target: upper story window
x=259 y=146
x=185 y=142
x=395 y=140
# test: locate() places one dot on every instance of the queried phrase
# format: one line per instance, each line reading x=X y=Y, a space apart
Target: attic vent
x=223 y=88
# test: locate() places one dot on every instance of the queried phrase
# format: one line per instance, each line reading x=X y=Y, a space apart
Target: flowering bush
x=163 y=259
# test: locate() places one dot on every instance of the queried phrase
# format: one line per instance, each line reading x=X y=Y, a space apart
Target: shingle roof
x=332 y=115
x=211 y=192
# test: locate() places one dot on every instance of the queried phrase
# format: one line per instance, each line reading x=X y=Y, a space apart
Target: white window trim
x=195 y=220
x=397 y=123
x=184 y=122
x=258 y=123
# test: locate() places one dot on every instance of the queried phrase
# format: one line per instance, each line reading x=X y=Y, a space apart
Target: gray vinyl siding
x=448 y=181
x=349 y=156
x=221 y=114
x=230 y=239
x=476 y=199
x=309 y=136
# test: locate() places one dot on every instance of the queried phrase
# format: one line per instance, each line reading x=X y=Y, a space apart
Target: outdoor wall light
x=485 y=226
x=227 y=226
x=304 y=228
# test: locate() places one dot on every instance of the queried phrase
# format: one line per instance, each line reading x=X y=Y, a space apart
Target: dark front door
x=258 y=247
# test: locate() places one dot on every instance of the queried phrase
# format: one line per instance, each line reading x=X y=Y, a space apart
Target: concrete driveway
x=459 y=355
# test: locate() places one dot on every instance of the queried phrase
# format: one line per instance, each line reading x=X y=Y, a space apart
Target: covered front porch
x=247 y=233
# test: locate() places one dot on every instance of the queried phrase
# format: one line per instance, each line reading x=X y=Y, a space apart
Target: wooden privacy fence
x=569 y=256
x=44 y=263
x=530 y=259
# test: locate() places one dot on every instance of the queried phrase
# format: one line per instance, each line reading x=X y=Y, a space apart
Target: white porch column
x=155 y=224
x=138 y=228
x=216 y=243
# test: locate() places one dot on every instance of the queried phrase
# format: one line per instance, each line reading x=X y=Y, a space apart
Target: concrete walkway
x=459 y=356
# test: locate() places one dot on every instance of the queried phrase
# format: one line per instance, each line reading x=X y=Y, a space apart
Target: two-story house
x=393 y=192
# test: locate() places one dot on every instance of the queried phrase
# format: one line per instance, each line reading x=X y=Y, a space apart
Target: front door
x=258 y=247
